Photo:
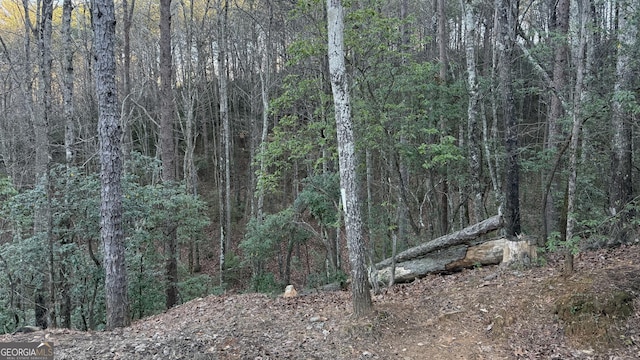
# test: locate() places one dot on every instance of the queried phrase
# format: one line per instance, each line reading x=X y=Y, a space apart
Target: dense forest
x=226 y=132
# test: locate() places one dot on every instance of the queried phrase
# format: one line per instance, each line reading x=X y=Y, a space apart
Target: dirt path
x=485 y=313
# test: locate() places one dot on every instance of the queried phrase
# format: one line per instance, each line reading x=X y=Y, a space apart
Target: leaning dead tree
x=455 y=251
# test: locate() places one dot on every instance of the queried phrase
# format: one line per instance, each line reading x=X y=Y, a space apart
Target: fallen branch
x=460 y=237
x=446 y=260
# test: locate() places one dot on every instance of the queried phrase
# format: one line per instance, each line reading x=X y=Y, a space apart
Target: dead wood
x=464 y=236
x=446 y=260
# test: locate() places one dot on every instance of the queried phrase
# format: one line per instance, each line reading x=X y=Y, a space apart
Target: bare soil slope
x=484 y=313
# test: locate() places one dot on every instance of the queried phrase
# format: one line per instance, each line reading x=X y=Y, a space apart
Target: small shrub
x=196 y=286
x=265 y=283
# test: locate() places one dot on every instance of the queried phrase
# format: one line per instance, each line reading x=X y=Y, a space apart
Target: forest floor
x=482 y=313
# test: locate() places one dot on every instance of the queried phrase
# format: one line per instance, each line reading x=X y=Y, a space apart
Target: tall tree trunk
x=69 y=146
x=403 y=214
x=362 y=304
x=265 y=66
x=560 y=24
x=490 y=135
x=167 y=121
x=507 y=18
x=189 y=96
x=27 y=89
x=370 y=221
x=67 y=82
x=620 y=186
x=42 y=215
x=111 y=231
x=167 y=146
x=442 y=54
x=226 y=127
x=580 y=97
x=127 y=15
x=473 y=130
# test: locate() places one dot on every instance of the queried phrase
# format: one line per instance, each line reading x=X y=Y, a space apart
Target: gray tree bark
x=67 y=83
x=45 y=313
x=621 y=186
x=579 y=99
x=473 y=130
x=127 y=16
x=109 y=133
x=362 y=304
x=457 y=238
x=225 y=211
x=265 y=83
x=507 y=21
x=556 y=110
x=449 y=259
x=189 y=96
x=167 y=104
x=69 y=146
x=442 y=57
x=167 y=146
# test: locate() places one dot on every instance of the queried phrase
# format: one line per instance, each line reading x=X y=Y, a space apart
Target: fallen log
x=460 y=237
x=450 y=259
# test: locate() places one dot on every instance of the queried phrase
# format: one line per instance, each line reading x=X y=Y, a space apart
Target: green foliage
x=7 y=189
x=235 y=272
x=371 y=32
x=193 y=287
x=149 y=210
x=264 y=237
x=628 y=100
x=321 y=197
x=18 y=211
x=303 y=134
x=232 y=261
x=261 y=237
x=265 y=283
x=302 y=49
x=535 y=160
x=142 y=169
x=153 y=206
x=441 y=154
x=399 y=108
x=402 y=113
x=74 y=203
x=556 y=243
x=146 y=292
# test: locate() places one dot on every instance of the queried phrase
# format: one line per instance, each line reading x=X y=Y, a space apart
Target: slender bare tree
x=45 y=314
x=559 y=23
x=507 y=19
x=127 y=15
x=580 y=96
x=621 y=185
x=362 y=304
x=473 y=129
x=443 y=42
x=225 y=163
x=69 y=146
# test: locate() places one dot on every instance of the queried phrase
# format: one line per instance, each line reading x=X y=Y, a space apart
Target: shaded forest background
x=253 y=200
